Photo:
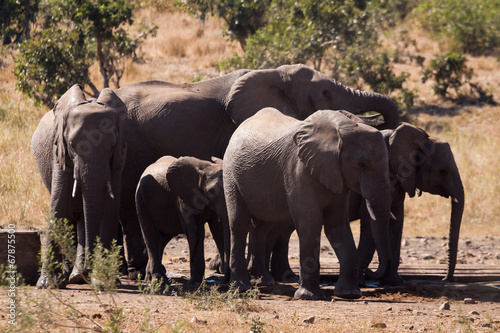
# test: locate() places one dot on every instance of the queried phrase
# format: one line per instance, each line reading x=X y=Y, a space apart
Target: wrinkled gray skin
x=198 y=120
x=278 y=169
x=79 y=148
x=417 y=163
x=177 y=196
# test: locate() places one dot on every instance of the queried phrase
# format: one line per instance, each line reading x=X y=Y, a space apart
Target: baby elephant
x=177 y=196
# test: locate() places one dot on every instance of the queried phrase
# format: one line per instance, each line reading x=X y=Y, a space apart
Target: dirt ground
x=424 y=303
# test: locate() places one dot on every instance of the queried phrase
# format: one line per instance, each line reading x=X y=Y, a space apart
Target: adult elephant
x=79 y=148
x=417 y=163
x=302 y=172
x=198 y=120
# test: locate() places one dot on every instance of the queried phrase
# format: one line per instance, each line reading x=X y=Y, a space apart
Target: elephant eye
x=327 y=93
x=362 y=165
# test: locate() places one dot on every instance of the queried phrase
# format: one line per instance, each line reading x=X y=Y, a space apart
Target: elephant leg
x=395 y=235
x=366 y=246
x=195 y=233
x=309 y=231
x=135 y=249
x=217 y=230
x=240 y=225
x=280 y=266
x=154 y=240
x=338 y=232
x=259 y=272
x=78 y=275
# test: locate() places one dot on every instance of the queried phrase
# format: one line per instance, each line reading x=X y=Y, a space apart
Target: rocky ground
x=424 y=303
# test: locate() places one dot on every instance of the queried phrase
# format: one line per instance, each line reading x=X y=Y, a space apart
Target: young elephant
x=417 y=163
x=278 y=169
x=177 y=196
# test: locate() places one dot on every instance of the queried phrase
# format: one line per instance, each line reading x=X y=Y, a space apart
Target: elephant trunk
x=358 y=101
x=94 y=195
x=378 y=203
x=457 y=209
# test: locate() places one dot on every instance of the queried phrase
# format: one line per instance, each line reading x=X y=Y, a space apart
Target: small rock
x=309 y=320
x=473 y=313
x=423 y=241
x=96 y=316
x=423 y=329
x=365 y=302
x=486 y=325
x=445 y=306
x=388 y=309
x=469 y=301
x=276 y=317
x=427 y=256
x=324 y=248
x=404 y=243
x=379 y=325
x=195 y=320
x=409 y=327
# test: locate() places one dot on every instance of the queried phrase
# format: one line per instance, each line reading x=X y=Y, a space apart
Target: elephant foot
x=265 y=280
x=310 y=293
x=239 y=284
x=347 y=289
x=77 y=276
x=135 y=274
x=46 y=282
x=215 y=264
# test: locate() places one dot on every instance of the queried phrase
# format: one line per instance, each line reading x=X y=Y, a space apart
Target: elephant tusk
x=455 y=200
x=110 y=190
x=419 y=192
x=393 y=217
x=75 y=184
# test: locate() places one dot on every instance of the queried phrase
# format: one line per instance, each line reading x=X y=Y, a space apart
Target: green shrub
x=448 y=71
x=472 y=26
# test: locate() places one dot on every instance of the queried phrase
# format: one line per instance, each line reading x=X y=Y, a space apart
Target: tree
x=243 y=17
x=16 y=18
x=84 y=32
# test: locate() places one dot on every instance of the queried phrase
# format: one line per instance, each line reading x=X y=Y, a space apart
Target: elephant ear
x=71 y=99
x=183 y=178
x=319 y=143
x=110 y=100
x=407 y=151
x=254 y=91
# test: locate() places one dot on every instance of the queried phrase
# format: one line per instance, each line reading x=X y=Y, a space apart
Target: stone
x=195 y=320
x=309 y=320
x=473 y=313
x=469 y=301
x=445 y=306
x=379 y=325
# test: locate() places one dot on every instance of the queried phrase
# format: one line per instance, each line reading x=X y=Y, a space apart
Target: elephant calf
x=176 y=196
x=303 y=171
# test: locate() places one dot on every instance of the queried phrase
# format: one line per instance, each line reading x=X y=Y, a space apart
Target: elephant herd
x=257 y=153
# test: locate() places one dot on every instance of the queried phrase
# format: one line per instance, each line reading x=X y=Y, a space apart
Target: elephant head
x=355 y=156
x=422 y=163
x=88 y=158
x=199 y=185
x=298 y=91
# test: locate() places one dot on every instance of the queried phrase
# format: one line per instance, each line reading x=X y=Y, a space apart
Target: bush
x=447 y=71
x=472 y=26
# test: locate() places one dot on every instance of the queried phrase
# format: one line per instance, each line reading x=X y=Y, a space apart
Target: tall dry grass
x=184 y=51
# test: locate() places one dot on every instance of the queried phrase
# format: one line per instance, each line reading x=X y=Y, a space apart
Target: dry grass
x=184 y=51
